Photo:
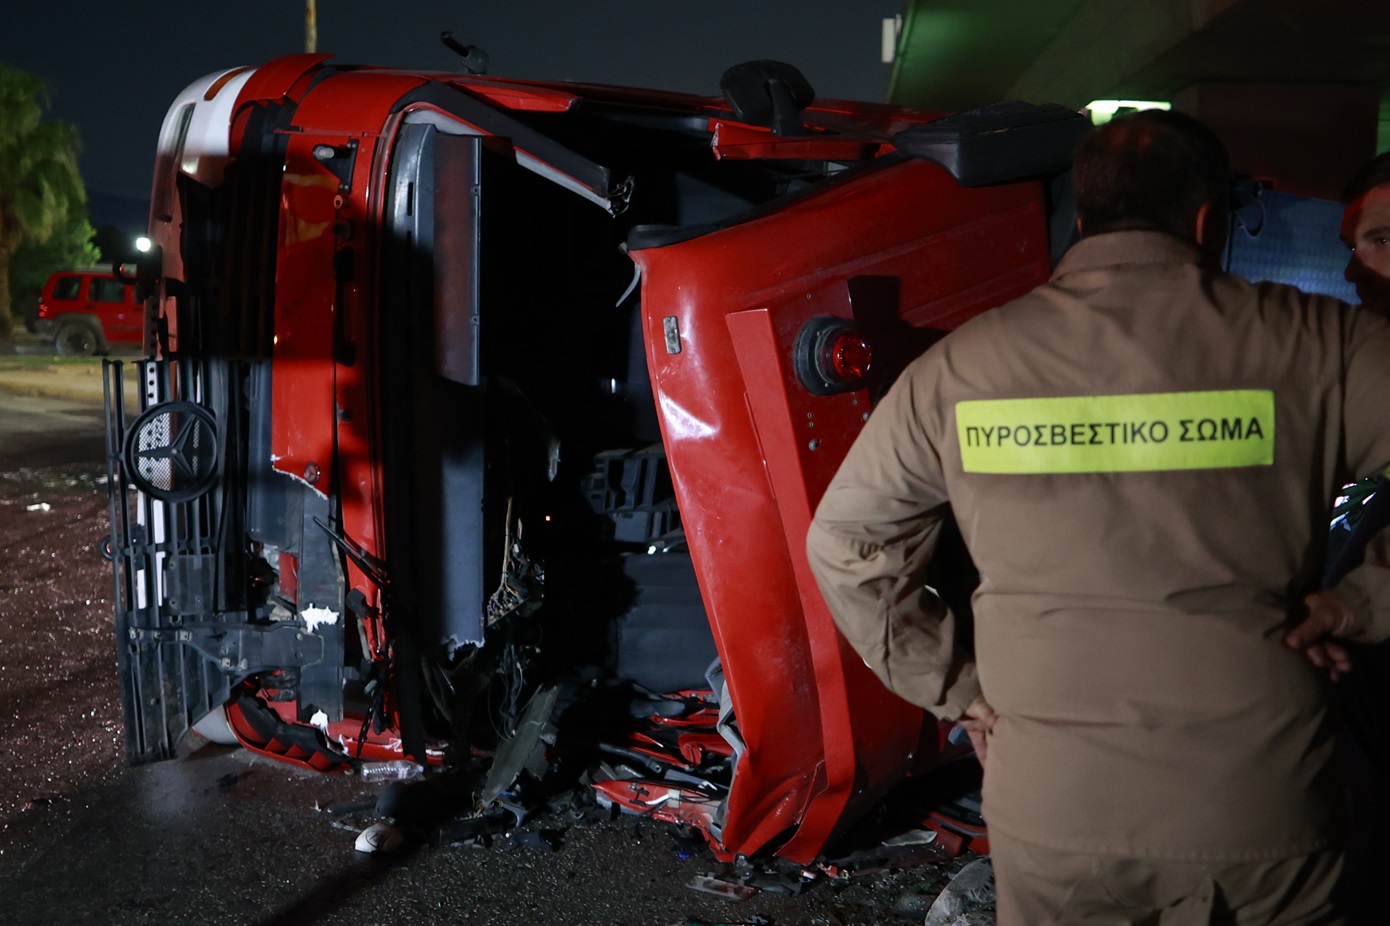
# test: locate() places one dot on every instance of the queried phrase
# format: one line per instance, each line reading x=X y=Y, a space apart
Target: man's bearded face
x=1366 y=230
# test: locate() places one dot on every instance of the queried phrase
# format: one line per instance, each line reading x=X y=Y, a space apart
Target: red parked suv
x=84 y=312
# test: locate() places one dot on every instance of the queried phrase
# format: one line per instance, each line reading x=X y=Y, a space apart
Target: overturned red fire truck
x=459 y=386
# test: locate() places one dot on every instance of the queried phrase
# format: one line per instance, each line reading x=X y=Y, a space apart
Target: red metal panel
x=532 y=98
x=302 y=415
x=734 y=141
x=277 y=79
x=320 y=417
x=751 y=451
x=878 y=729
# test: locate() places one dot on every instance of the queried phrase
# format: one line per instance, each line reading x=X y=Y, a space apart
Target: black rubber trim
x=808 y=356
x=493 y=121
x=999 y=143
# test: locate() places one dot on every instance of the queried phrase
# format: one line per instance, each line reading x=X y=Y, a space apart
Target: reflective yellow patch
x=1117 y=433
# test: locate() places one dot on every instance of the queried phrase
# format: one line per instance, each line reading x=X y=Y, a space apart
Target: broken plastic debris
x=473 y=830
x=313 y=617
x=912 y=838
x=41 y=506
x=730 y=889
x=379 y=837
x=215 y=728
x=394 y=770
x=525 y=749
x=728 y=724
x=956 y=832
x=961 y=903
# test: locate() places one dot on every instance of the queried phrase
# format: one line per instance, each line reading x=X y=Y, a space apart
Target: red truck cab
x=463 y=387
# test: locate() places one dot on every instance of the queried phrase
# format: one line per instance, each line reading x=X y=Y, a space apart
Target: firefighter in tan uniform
x=1363 y=697
x=1140 y=455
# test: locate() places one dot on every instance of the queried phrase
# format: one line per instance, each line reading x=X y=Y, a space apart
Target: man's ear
x=1209 y=230
x=1202 y=232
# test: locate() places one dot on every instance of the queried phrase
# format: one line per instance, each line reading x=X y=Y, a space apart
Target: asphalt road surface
x=229 y=838
x=44 y=431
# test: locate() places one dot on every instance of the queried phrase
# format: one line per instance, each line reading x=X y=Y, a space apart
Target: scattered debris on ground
x=966 y=899
x=672 y=765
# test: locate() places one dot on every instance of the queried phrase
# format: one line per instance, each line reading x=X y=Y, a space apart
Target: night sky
x=113 y=68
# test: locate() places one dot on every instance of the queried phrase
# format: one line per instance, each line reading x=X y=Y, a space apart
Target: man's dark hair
x=1374 y=174
x=1150 y=170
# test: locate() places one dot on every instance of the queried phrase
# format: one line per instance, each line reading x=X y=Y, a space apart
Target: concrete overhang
x=955 y=54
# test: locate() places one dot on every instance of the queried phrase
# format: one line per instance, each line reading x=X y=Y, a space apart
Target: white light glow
x=1102 y=111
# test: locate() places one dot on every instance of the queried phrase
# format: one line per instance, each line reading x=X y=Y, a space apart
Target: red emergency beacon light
x=832 y=356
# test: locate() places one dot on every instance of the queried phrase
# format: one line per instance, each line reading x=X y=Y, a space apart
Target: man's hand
x=1318 y=635
x=977 y=722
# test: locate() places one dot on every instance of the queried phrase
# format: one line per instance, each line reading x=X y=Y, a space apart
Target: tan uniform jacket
x=1139 y=559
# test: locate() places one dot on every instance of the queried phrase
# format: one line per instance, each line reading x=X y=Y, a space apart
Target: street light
x=142 y=244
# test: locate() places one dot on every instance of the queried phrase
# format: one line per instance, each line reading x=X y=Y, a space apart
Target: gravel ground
x=58 y=683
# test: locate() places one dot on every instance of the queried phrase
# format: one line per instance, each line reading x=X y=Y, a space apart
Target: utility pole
x=311 y=26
